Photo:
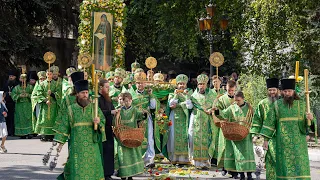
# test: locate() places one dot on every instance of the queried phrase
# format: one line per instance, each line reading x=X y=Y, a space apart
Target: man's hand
x=114 y=112
x=265 y=145
x=309 y=116
x=4 y=114
x=49 y=92
x=48 y=103
x=96 y=120
x=208 y=111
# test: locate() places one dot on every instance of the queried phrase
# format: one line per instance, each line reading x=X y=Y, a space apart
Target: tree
x=21 y=20
x=277 y=34
x=168 y=31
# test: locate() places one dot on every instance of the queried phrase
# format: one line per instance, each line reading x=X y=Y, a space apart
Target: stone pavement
x=24 y=161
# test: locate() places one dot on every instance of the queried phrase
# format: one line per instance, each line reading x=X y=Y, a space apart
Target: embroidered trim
x=267 y=127
x=83 y=124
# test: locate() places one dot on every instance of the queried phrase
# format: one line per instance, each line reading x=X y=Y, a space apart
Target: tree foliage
x=168 y=31
x=277 y=34
x=21 y=20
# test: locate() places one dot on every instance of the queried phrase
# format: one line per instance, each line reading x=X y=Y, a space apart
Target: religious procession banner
x=102 y=32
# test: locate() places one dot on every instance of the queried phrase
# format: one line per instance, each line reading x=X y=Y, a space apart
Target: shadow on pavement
x=29 y=172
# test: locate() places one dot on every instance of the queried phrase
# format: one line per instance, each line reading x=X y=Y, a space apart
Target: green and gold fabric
x=23 y=110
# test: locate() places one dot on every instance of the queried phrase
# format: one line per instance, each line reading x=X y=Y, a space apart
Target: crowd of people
x=63 y=110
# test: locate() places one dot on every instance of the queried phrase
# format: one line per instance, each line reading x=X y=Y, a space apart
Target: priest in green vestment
x=85 y=156
x=129 y=159
x=239 y=155
x=144 y=99
x=287 y=120
x=47 y=94
x=55 y=77
x=110 y=77
x=116 y=88
x=223 y=103
x=218 y=92
x=21 y=94
x=67 y=85
x=260 y=118
x=201 y=135
x=36 y=106
x=179 y=105
x=69 y=98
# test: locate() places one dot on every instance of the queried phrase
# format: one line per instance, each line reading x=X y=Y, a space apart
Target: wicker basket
x=238 y=130
x=234 y=131
x=128 y=136
x=217 y=121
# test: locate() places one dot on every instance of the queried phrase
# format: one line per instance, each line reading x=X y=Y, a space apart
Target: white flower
x=119 y=24
x=85 y=22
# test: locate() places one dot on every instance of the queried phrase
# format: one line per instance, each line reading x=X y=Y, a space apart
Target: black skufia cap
x=12 y=73
x=288 y=84
x=81 y=85
x=77 y=76
x=272 y=83
x=33 y=75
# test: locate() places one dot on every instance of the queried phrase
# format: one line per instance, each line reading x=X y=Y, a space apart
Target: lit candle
x=297 y=71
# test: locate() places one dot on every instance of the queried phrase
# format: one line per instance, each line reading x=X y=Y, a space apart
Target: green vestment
x=223 y=103
x=216 y=129
x=85 y=156
x=59 y=87
x=259 y=119
x=202 y=143
x=239 y=155
x=142 y=101
x=114 y=93
x=45 y=122
x=34 y=107
x=23 y=110
x=178 y=133
x=218 y=93
x=129 y=159
x=66 y=89
x=289 y=124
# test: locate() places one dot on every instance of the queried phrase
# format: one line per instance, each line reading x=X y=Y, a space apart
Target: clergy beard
x=273 y=99
x=11 y=82
x=288 y=100
x=83 y=102
x=106 y=97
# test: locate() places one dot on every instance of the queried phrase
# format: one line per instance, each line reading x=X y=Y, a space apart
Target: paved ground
x=24 y=161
